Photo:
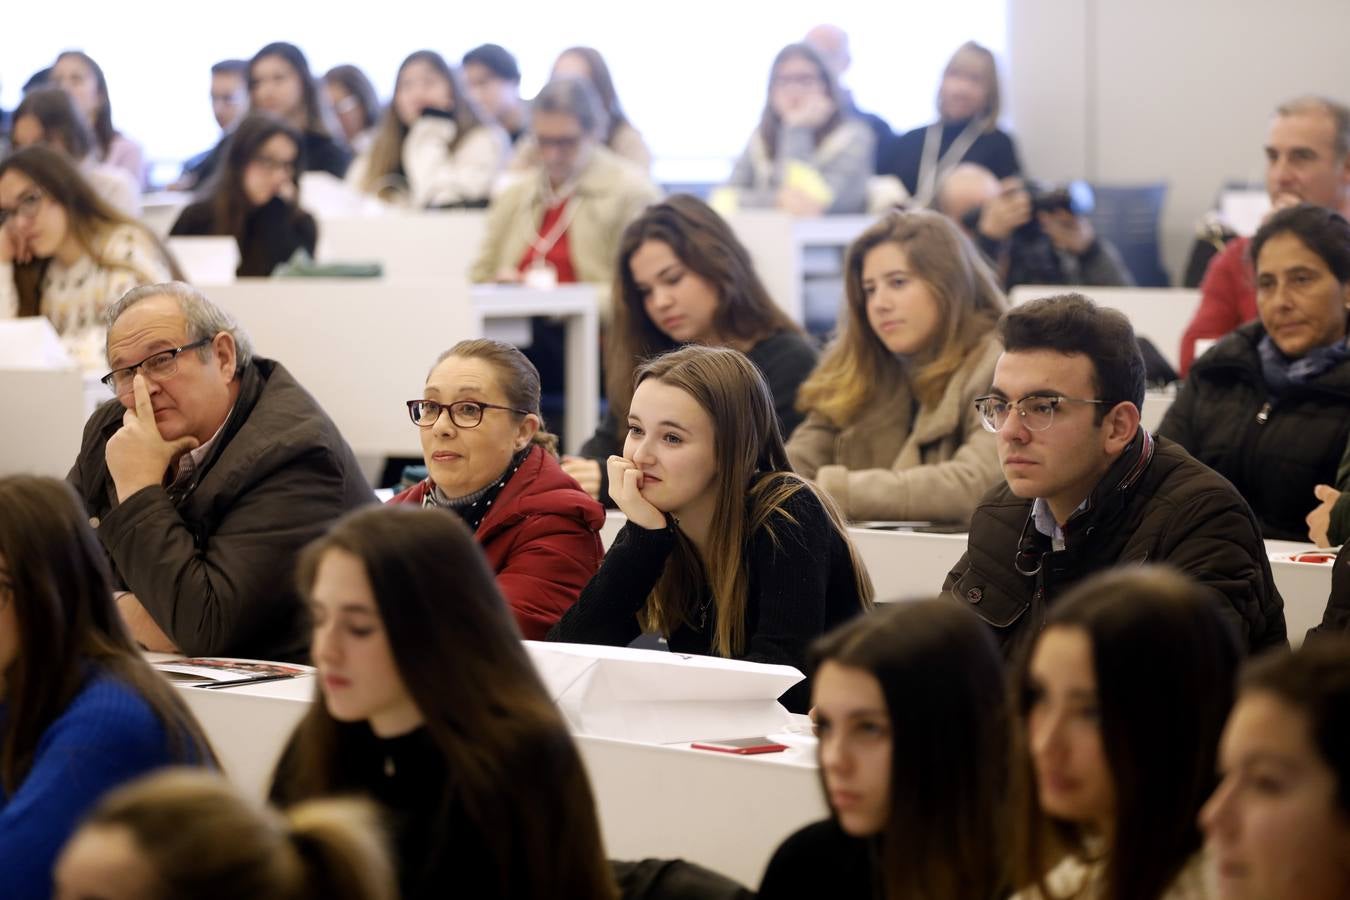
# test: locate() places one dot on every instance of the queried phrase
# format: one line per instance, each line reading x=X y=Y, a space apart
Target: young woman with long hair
x=354 y=104
x=83 y=710
x=48 y=116
x=280 y=83
x=1119 y=707
x=1278 y=826
x=808 y=156
x=76 y=73
x=684 y=277
x=910 y=712
x=966 y=130
x=432 y=147
x=726 y=552
x=429 y=705
x=254 y=197
x=891 y=430
x=66 y=254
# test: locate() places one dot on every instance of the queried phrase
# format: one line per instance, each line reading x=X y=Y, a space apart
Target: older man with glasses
x=205 y=477
x=1087 y=488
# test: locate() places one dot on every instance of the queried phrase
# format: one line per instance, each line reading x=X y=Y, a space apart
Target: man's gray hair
x=573 y=97
x=1338 y=112
x=204 y=319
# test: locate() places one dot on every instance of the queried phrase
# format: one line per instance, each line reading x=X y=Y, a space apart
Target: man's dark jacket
x=1154 y=505
x=212 y=559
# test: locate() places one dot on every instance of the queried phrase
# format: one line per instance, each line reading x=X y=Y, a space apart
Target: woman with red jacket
x=490 y=460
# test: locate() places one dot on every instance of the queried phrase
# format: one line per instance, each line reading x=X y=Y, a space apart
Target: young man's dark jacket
x=212 y=559
x=1154 y=505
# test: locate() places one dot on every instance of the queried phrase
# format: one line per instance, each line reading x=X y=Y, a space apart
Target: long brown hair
x=230 y=206
x=67 y=622
x=203 y=840
x=62 y=124
x=603 y=82
x=769 y=121
x=89 y=217
x=513 y=773
x=704 y=243
x=517 y=376
x=102 y=126
x=857 y=369
x=1165 y=663
x=985 y=56
x=754 y=481
x=319 y=117
x=384 y=172
x=941 y=675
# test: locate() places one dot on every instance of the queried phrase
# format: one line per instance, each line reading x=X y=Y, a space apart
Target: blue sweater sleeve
x=108 y=735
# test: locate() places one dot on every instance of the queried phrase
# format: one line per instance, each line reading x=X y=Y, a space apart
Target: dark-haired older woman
x=1268 y=407
x=490 y=461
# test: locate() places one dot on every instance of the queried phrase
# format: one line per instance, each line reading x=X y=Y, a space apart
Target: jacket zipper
x=1263 y=414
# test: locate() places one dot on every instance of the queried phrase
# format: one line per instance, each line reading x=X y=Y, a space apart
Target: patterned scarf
x=473 y=508
x=1282 y=372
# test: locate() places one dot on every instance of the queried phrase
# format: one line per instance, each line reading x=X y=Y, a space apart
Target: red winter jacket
x=1227 y=300
x=541 y=537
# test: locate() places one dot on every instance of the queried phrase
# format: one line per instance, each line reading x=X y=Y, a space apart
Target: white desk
x=907 y=566
x=363 y=346
x=1159 y=314
x=723 y=811
x=777 y=242
x=409 y=245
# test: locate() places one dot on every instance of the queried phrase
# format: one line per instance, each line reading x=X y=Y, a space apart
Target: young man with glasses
x=205 y=477
x=1087 y=488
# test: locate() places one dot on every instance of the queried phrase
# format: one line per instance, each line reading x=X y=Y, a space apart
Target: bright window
x=692 y=74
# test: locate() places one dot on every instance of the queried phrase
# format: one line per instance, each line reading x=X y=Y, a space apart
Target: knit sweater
x=800 y=586
x=76 y=296
x=108 y=735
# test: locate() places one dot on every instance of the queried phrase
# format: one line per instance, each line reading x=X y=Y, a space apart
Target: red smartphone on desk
x=744 y=746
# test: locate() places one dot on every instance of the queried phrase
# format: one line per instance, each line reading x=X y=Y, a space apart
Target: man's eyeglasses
x=1037 y=411
x=26 y=208
x=463 y=413
x=158 y=366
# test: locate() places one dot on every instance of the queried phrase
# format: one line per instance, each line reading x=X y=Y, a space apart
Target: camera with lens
x=1075 y=197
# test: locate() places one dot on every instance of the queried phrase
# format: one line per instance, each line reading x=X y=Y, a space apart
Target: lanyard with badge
x=933 y=168
x=541 y=274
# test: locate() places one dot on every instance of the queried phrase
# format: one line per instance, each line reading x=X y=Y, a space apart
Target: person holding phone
x=726 y=552
x=891 y=429
x=910 y=714
x=428 y=704
x=255 y=197
x=1118 y=711
x=432 y=147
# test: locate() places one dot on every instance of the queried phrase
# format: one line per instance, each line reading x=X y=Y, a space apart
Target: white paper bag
x=657 y=697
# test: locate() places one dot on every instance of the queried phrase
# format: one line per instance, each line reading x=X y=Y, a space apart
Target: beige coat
x=893 y=463
x=610 y=193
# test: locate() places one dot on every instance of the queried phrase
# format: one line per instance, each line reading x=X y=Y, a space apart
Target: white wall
x=1129 y=91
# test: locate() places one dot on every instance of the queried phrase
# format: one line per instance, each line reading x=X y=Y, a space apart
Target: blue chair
x=1128 y=217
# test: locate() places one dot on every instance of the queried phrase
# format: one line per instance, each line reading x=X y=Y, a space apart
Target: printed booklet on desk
x=210 y=672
